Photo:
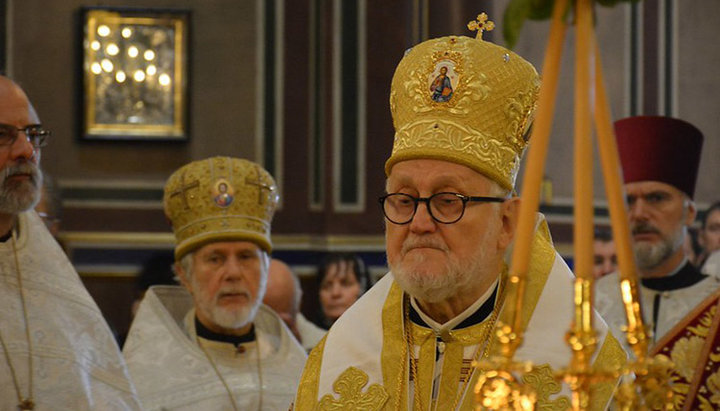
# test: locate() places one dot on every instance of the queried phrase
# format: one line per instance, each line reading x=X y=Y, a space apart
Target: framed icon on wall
x=135 y=74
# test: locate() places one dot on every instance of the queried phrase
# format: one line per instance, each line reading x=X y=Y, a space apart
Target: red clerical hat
x=663 y=149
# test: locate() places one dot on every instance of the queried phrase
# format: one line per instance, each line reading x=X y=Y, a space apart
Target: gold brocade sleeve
x=451 y=371
x=611 y=356
x=542 y=259
x=425 y=365
x=394 y=354
x=306 y=398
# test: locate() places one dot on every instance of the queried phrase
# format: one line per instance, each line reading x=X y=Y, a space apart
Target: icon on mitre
x=442 y=81
x=223 y=193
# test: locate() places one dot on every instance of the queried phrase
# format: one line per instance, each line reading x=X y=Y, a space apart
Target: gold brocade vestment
x=363 y=362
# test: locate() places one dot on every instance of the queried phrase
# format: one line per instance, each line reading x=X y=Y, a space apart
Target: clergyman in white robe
x=172 y=371
x=76 y=361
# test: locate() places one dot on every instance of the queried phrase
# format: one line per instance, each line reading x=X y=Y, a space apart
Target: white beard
x=234 y=319
x=18 y=197
x=229 y=318
x=649 y=255
x=457 y=275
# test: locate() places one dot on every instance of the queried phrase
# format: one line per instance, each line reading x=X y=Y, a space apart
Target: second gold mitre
x=220 y=198
x=463 y=100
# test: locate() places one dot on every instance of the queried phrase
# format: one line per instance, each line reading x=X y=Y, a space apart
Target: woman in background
x=342 y=279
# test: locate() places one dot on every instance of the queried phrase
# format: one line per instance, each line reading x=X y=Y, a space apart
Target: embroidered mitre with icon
x=464 y=100
x=220 y=199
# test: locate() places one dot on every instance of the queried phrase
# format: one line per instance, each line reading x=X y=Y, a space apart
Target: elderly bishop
x=450 y=218
x=211 y=344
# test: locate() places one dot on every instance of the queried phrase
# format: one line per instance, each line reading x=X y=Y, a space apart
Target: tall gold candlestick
x=636 y=333
x=581 y=336
x=532 y=178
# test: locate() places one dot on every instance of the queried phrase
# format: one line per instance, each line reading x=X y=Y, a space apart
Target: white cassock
x=712 y=265
x=172 y=372
x=668 y=307
x=364 y=357
x=76 y=361
x=310 y=333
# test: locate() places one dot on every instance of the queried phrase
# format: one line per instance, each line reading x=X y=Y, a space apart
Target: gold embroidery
x=680 y=391
x=519 y=114
x=610 y=357
x=478 y=335
x=713 y=385
x=349 y=386
x=541 y=263
x=429 y=136
x=705 y=323
x=482 y=120
x=307 y=392
x=686 y=354
x=394 y=350
x=223 y=197
x=542 y=380
x=424 y=364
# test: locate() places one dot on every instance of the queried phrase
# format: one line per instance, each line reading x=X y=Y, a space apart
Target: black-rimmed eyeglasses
x=35 y=134
x=445 y=208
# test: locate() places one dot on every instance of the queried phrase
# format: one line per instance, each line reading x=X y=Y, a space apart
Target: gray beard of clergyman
x=16 y=197
x=650 y=256
x=208 y=304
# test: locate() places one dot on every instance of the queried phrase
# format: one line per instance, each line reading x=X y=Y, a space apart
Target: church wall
x=669 y=72
x=698 y=99
x=45 y=60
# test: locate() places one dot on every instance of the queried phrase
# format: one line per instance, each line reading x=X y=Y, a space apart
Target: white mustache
x=423 y=242
x=232 y=291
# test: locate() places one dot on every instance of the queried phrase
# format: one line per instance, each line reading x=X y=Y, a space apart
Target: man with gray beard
x=211 y=344
x=660 y=157
x=410 y=341
x=57 y=351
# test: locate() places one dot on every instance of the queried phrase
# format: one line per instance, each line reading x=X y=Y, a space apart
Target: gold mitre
x=464 y=100
x=220 y=199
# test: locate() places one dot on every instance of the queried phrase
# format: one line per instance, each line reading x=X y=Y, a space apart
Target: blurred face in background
x=710 y=234
x=339 y=289
x=283 y=294
x=604 y=258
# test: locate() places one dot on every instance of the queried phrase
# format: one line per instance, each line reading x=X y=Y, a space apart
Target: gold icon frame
x=135 y=74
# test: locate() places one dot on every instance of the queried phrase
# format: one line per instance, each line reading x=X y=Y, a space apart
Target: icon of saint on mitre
x=442 y=81
x=223 y=193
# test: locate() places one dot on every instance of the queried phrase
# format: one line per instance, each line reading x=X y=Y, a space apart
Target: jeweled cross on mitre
x=481 y=24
